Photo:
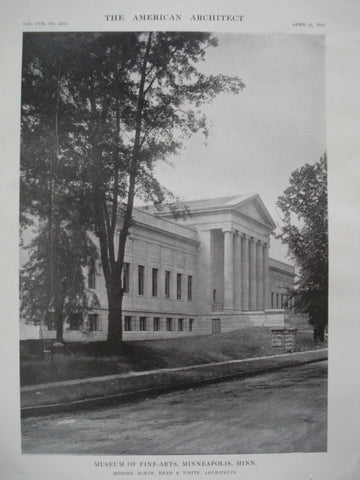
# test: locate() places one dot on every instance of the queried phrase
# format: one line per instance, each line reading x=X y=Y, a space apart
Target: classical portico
x=235 y=233
x=233 y=259
x=246 y=272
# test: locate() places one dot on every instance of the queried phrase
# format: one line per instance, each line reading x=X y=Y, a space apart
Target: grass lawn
x=95 y=359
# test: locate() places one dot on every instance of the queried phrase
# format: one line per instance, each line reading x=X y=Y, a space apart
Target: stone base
x=283 y=340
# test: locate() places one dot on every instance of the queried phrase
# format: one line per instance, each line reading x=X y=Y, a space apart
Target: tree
x=56 y=290
x=130 y=100
x=305 y=232
x=52 y=282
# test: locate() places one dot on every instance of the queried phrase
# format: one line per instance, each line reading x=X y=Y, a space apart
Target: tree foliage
x=52 y=280
x=305 y=232
x=122 y=102
x=55 y=293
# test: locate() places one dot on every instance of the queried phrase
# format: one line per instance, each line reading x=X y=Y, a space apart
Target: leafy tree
x=305 y=232
x=54 y=292
x=129 y=100
x=52 y=283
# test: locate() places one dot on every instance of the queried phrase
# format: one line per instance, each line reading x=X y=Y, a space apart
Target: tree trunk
x=319 y=333
x=115 y=297
x=59 y=322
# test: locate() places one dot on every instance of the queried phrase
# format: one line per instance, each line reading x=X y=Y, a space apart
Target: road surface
x=284 y=411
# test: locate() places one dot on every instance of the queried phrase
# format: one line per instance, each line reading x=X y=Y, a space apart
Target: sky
x=258 y=137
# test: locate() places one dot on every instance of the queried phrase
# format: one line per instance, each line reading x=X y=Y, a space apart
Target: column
x=252 y=273
x=204 y=272
x=245 y=271
x=259 y=277
x=266 y=276
x=228 y=269
x=237 y=272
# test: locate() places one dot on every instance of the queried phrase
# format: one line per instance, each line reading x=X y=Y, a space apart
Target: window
x=191 y=323
x=167 y=284
x=169 y=324
x=154 y=282
x=272 y=299
x=126 y=277
x=93 y=322
x=156 y=324
x=92 y=275
x=181 y=324
x=128 y=323
x=75 y=321
x=178 y=286
x=189 y=288
x=215 y=325
x=141 y=269
x=214 y=295
x=277 y=300
x=143 y=324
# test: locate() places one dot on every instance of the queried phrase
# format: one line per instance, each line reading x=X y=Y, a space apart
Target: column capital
x=228 y=230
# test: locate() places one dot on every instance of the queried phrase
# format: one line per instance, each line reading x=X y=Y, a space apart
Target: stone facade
x=206 y=272
x=281 y=280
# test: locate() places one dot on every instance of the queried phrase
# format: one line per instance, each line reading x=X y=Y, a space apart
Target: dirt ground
x=285 y=411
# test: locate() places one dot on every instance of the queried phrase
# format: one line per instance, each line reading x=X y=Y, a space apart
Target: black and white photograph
x=157 y=171
x=179 y=224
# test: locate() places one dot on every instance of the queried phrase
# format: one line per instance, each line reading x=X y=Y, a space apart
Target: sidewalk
x=90 y=392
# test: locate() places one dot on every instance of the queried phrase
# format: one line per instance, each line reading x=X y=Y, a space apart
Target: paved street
x=285 y=411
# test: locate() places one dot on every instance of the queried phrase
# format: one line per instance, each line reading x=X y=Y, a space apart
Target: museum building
x=203 y=272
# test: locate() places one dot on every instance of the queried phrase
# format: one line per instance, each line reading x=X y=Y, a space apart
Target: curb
x=284 y=361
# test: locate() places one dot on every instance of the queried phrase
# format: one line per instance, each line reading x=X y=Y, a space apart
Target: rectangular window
x=277 y=300
x=128 y=324
x=169 y=324
x=154 y=282
x=272 y=299
x=156 y=324
x=93 y=322
x=191 y=322
x=214 y=295
x=143 y=324
x=92 y=275
x=75 y=321
x=126 y=277
x=189 y=288
x=180 y=324
x=167 y=284
x=178 y=286
x=141 y=270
